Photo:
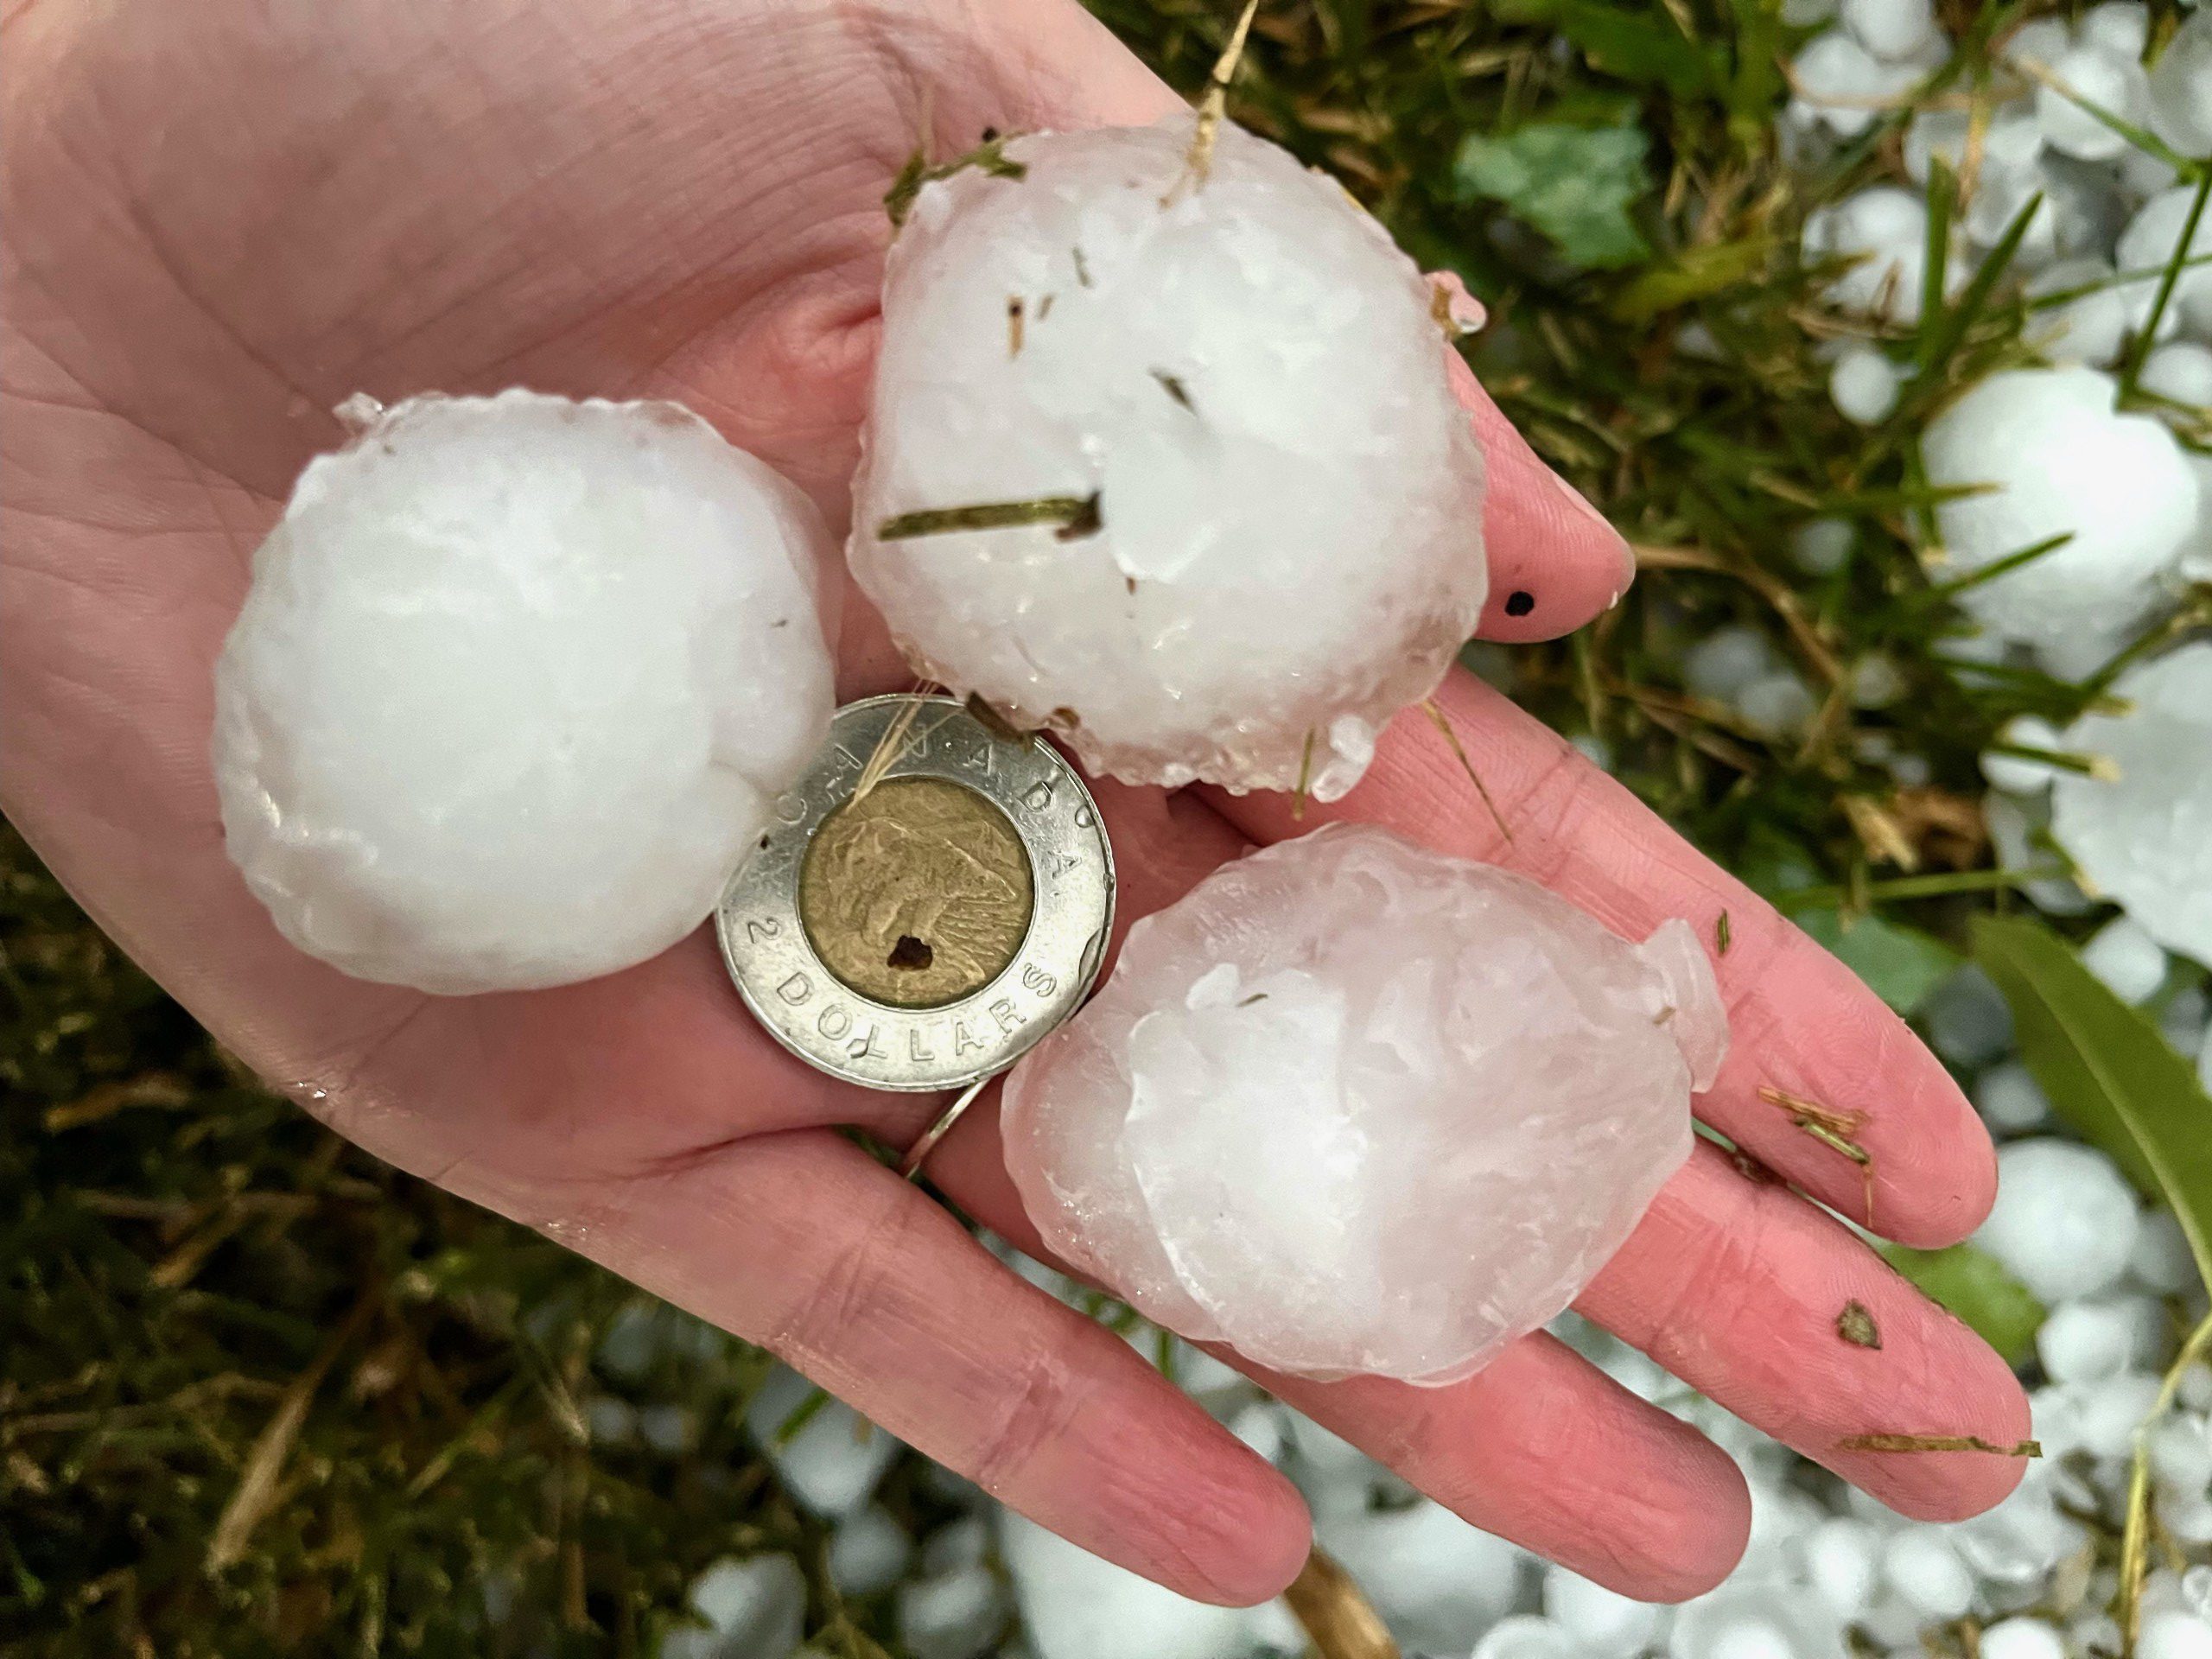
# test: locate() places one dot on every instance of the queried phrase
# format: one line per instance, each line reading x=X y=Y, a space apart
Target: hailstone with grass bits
x=1352 y=1106
x=1164 y=456
x=514 y=685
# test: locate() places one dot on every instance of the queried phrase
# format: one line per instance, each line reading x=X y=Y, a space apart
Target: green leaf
x=1976 y=1287
x=1574 y=184
x=1640 y=44
x=2108 y=1069
x=1901 y=965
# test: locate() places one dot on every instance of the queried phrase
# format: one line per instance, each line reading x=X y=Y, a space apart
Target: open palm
x=223 y=219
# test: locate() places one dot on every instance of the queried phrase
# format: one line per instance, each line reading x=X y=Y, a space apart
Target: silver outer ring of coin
x=826 y=1023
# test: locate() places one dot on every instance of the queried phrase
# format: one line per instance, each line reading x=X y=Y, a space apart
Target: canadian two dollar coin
x=924 y=932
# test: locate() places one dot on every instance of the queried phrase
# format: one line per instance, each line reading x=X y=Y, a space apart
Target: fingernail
x=1576 y=499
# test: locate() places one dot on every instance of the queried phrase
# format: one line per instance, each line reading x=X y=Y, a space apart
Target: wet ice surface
x=2143 y=836
x=1251 y=381
x=1352 y=1106
x=514 y=684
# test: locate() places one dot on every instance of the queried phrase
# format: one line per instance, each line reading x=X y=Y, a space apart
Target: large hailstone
x=2143 y=836
x=1353 y=1106
x=515 y=682
x=1262 y=503
x=2060 y=459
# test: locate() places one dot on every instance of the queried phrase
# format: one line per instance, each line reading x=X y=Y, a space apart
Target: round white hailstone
x=2016 y=1544
x=2064 y=1220
x=1438 y=1582
x=2018 y=774
x=1842 y=86
x=1863 y=384
x=1526 y=1635
x=755 y=1605
x=2087 y=1341
x=833 y=1462
x=1243 y=380
x=1258 y=1130
x=2181 y=88
x=2010 y=1099
x=2113 y=1409
x=2181 y=370
x=2092 y=326
x=2189 y=1521
x=1843 y=1560
x=2161 y=1261
x=1931 y=133
x=2121 y=27
x=2181 y=1455
x=2116 y=85
x=1601 y=1620
x=2144 y=837
x=2148 y=246
x=2174 y=1635
x=868 y=1553
x=2018 y=828
x=1726 y=661
x=1075 y=1606
x=1895 y=29
x=955 y=1615
x=514 y=685
x=2022 y=1638
x=1922 y=1566
x=1777 y=705
x=1821 y=546
x=1260 y=1426
x=1884 y=230
x=1969 y=1023
x=1876 y=681
x=2126 y=959
x=2063 y=461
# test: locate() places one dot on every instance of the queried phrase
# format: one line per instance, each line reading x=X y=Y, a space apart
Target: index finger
x=1802 y=1025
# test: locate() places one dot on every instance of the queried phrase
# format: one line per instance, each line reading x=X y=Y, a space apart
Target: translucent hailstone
x=1243 y=379
x=2063 y=460
x=1842 y=86
x=515 y=682
x=2181 y=370
x=1352 y=1106
x=2143 y=836
x=1897 y=30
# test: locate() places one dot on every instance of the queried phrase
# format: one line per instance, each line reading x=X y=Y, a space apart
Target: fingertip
x=1268 y=1539
x=1704 y=1548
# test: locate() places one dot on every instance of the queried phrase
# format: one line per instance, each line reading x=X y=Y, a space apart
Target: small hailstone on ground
x=1884 y=229
x=1526 y=1635
x=2181 y=370
x=1897 y=30
x=1863 y=384
x=1921 y=1565
x=2162 y=1260
x=1777 y=705
x=2120 y=27
x=2175 y=1634
x=1968 y=1022
x=755 y=1609
x=868 y=1552
x=1604 y=1621
x=1726 y=661
x=1076 y=1606
x=1260 y=534
x=2087 y=1341
x=2126 y=958
x=2114 y=84
x=1821 y=546
x=2141 y=828
x=2063 y=461
x=2010 y=1100
x=2022 y=1638
x=1353 y=1106
x=2148 y=245
x=514 y=685
x=2064 y=1220
x=2180 y=87
x=832 y=1464
x=1438 y=1582
x=2090 y=328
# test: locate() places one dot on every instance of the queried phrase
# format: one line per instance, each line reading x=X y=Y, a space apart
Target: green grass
x=183 y=1254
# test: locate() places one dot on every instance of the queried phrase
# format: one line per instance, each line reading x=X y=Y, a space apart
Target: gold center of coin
x=917 y=894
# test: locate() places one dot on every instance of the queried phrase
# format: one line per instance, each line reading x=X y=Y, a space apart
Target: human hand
x=224 y=219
